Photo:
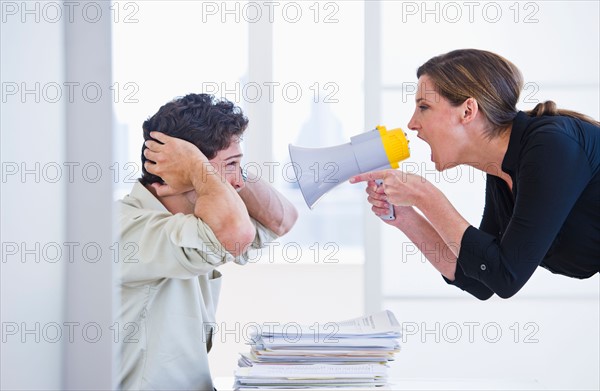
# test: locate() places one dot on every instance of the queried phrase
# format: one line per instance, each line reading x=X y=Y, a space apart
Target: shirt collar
x=511 y=158
x=145 y=198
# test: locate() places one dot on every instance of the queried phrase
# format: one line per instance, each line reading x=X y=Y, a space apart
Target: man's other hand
x=176 y=161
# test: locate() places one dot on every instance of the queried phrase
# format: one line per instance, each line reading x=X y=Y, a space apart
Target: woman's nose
x=412 y=124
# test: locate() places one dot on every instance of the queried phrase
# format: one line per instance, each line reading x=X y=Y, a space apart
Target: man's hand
x=176 y=161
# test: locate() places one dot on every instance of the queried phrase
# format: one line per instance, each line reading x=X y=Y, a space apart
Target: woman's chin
x=436 y=163
x=441 y=165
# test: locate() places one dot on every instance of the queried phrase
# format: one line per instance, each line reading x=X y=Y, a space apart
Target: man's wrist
x=202 y=172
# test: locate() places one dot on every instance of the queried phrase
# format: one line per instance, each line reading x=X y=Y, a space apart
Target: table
x=396 y=384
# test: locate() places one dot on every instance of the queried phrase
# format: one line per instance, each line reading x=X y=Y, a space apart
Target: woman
x=542 y=205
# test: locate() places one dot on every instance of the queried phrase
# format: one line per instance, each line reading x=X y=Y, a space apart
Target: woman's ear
x=470 y=109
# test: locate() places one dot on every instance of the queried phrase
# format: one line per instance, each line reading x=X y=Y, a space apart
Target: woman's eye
x=423 y=108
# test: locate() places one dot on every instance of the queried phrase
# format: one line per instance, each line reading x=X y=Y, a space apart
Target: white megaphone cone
x=319 y=170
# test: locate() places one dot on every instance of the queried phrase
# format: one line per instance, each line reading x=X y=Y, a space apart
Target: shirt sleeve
x=489 y=220
x=263 y=237
x=162 y=245
x=552 y=174
x=488 y=224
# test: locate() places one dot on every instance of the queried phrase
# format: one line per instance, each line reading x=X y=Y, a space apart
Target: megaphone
x=319 y=170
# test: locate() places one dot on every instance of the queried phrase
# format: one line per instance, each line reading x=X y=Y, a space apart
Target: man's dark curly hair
x=201 y=119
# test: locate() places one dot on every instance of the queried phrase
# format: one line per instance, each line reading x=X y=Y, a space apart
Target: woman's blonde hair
x=492 y=80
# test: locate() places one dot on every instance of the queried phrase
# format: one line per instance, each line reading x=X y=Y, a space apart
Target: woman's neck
x=488 y=154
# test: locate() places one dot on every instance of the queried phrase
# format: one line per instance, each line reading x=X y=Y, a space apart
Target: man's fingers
x=152 y=145
x=163 y=138
x=149 y=166
x=150 y=155
x=163 y=189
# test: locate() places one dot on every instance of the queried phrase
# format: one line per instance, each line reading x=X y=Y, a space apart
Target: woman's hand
x=380 y=206
x=408 y=190
x=398 y=188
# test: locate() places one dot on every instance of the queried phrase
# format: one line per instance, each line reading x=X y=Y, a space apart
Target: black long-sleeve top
x=551 y=218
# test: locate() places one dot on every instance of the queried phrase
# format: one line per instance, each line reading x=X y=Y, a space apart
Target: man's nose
x=238 y=185
x=238 y=181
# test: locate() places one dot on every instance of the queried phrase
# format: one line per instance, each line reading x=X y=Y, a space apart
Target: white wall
x=33 y=208
x=56 y=270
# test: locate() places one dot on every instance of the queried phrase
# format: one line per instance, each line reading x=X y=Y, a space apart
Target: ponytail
x=549 y=108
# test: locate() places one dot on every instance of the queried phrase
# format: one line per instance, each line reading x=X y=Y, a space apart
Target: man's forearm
x=222 y=209
x=268 y=206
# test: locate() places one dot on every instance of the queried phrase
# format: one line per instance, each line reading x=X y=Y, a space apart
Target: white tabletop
x=395 y=384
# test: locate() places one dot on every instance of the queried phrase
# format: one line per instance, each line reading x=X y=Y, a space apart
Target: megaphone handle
x=390 y=215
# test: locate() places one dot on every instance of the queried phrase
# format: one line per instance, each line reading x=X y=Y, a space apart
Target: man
x=191 y=211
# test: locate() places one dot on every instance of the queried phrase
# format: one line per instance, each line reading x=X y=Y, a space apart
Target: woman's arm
x=422 y=234
x=417 y=229
x=403 y=189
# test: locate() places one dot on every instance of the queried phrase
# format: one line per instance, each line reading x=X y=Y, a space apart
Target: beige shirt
x=169 y=289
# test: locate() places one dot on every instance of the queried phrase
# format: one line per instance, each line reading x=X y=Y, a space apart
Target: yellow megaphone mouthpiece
x=395 y=145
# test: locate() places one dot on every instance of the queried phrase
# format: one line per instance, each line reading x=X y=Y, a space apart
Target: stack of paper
x=352 y=353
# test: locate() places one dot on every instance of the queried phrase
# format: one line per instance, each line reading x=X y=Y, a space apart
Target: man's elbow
x=237 y=237
x=288 y=221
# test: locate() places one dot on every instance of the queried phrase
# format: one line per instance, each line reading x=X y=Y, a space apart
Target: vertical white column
x=89 y=289
x=373 y=280
x=259 y=140
x=32 y=198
